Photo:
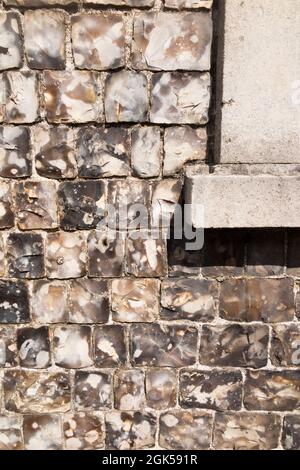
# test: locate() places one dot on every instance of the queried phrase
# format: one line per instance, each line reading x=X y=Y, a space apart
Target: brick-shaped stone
x=14 y=302
x=103 y=152
x=81 y=204
x=25 y=255
x=180 y=98
x=269 y=300
x=71 y=96
x=49 y=302
x=110 y=347
x=106 y=250
x=126 y=98
x=165 y=201
x=34 y=347
x=285 y=345
x=135 y=300
x=8 y=346
x=88 y=301
x=172 y=41
x=42 y=432
x=19 y=102
x=83 y=431
x=272 y=390
x=66 y=255
x=246 y=431
x=11 y=433
x=291 y=432
x=54 y=151
x=183 y=430
x=45 y=36
x=15 y=160
x=98 y=41
x=234 y=345
x=36 y=205
x=182 y=145
x=11 y=40
x=145 y=254
x=7 y=218
x=72 y=346
x=92 y=390
x=163 y=345
x=28 y=391
x=130 y=430
x=129 y=389
x=216 y=389
x=145 y=151
x=161 y=388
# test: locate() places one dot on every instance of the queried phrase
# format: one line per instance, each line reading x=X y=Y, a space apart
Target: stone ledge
x=245 y=199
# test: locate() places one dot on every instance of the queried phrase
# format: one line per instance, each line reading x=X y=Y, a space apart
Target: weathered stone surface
x=54 y=151
x=161 y=386
x=216 y=389
x=25 y=255
x=88 y=301
x=106 y=253
x=7 y=217
x=15 y=161
x=71 y=96
x=36 y=392
x=129 y=389
x=72 y=346
x=269 y=300
x=272 y=390
x=182 y=145
x=265 y=205
x=250 y=132
x=66 y=255
x=8 y=346
x=109 y=344
x=36 y=205
x=11 y=41
x=98 y=41
x=189 y=299
x=129 y=430
x=34 y=347
x=44 y=35
x=165 y=198
x=81 y=204
x=145 y=255
x=130 y=199
x=135 y=300
x=42 y=432
x=126 y=97
x=180 y=98
x=145 y=151
x=246 y=431
x=223 y=253
x=83 y=431
x=163 y=345
x=10 y=433
x=185 y=430
x=172 y=41
x=38 y=3
x=19 y=102
x=285 y=345
x=265 y=253
x=128 y=3
x=14 y=302
x=49 y=303
x=291 y=432
x=234 y=345
x=92 y=390
x=103 y=152
x=178 y=4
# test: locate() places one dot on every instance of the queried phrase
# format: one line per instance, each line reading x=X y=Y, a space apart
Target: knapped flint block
x=88 y=301
x=285 y=345
x=49 y=302
x=15 y=161
x=25 y=255
x=65 y=255
x=8 y=346
x=42 y=432
x=161 y=388
x=11 y=433
x=11 y=40
x=291 y=432
x=126 y=430
x=7 y=218
x=129 y=388
x=145 y=151
x=20 y=99
x=109 y=346
x=92 y=390
x=83 y=431
x=34 y=347
x=14 y=302
x=106 y=251
x=72 y=346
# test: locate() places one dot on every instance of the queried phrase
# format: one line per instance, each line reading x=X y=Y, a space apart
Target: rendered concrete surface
x=231 y=201
x=261 y=82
